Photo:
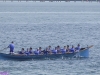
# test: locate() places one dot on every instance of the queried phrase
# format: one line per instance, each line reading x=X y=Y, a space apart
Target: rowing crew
x=48 y=50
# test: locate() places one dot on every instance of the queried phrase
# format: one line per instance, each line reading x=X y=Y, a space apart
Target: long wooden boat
x=26 y=57
x=84 y=52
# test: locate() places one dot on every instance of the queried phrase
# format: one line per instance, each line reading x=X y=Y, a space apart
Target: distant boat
x=84 y=52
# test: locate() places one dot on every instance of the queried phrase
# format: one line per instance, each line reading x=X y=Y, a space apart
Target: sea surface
x=40 y=24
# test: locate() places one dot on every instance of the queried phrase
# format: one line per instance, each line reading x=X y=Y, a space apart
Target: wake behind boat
x=84 y=52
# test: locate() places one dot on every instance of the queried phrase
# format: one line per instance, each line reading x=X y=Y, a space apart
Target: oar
x=90 y=46
x=3 y=49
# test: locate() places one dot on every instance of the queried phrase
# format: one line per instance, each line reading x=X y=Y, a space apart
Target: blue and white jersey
x=27 y=52
x=54 y=51
x=36 y=52
x=78 y=48
x=63 y=50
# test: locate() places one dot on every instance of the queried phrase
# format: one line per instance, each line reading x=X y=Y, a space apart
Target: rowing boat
x=84 y=52
x=25 y=57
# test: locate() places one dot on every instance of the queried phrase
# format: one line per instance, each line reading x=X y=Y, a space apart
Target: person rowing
x=30 y=50
x=11 y=46
x=72 y=49
x=55 y=50
x=49 y=49
x=64 y=50
x=27 y=52
x=40 y=50
x=58 y=49
x=45 y=51
x=77 y=49
x=68 y=49
x=22 y=51
x=36 y=52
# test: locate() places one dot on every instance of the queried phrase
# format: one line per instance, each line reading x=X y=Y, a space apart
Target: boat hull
x=26 y=57
x=82 y=53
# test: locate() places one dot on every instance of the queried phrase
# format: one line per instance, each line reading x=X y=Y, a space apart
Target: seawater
x=40 y=24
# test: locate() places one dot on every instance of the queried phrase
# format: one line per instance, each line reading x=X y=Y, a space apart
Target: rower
x=22 y=51
x=30 y=50
x=45 y=52
x=49 y=49
x=64 y=50
x=36 y=52
x=67 y=50
x=55 y=50
x=58 y=49
x=77 y=49
x=72 y=49
x=40 y=50
x=27 y=52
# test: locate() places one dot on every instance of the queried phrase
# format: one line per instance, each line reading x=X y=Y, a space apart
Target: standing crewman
x=11 y=46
